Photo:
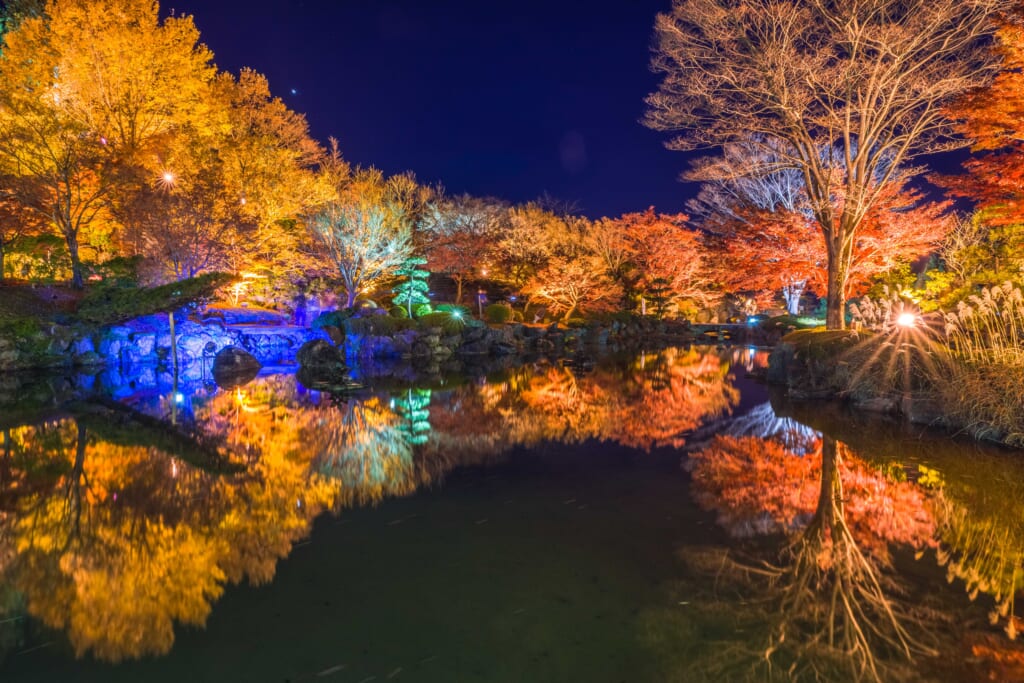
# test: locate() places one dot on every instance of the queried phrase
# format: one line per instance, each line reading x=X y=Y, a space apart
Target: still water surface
x=644 y=518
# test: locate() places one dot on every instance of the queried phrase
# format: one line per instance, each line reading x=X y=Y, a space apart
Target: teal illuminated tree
x=413 y=291
x=413 y=408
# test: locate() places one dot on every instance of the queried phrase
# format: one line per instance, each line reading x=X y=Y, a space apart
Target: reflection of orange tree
x=359 y=449
x=653 y=401
x=667 y=394
x=830 y=587
x=116 y=576
x=116 y=543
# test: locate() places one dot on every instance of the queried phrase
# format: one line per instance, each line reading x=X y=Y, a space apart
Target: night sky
x=505 y=99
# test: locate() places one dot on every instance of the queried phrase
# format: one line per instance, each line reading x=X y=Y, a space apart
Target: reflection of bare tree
x=831 y=597
x=762 y=421
x=835 y=604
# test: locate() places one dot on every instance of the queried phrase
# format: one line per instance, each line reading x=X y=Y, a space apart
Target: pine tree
x=413 y=291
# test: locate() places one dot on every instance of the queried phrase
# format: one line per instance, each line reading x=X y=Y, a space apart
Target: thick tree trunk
x=77 y=277
x=350 y=297
x=835 y=301
x=458 y=289
x=827 y=498
x=838 y=273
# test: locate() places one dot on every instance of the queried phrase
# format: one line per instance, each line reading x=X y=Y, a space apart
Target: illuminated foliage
x=364 y=228
x=767 y=238
x=653 y=256
x=457 y=233
x=412 y=291
x=84 y=105
x=567 y=285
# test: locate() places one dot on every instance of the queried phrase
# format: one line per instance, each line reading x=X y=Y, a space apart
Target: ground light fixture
x=906 y=319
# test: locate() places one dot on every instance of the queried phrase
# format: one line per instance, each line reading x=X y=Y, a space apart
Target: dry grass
x=988 y=328
x=983 y=390
x=987 y=399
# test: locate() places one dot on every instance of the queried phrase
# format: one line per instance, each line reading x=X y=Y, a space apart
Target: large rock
x=321 y=363
x=233 y=367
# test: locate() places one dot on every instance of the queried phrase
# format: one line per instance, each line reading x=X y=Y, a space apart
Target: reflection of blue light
x=512 y=298
x=752 y=320
x=179 y=397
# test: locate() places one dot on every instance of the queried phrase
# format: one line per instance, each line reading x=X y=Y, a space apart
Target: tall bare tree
x=866 y=81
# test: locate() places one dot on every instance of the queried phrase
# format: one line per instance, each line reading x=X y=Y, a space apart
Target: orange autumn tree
x=653 y=256
x=93 y=91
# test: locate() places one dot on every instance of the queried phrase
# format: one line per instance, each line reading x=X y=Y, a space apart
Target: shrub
x=331 y=319
x=122 y=271
x=497 y=313
x=517 y=316
x=449 y=322
x=575 y=323
x=986 y=397
x=398 y=312
x=422 y=310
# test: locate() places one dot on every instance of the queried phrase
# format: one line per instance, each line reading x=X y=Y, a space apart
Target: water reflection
x=830 y=582
x=117 y=523
x=820 y=596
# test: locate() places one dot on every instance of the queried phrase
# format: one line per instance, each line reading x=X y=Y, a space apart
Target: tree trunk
x=838 y=273
x=827 y=503
x=458 y=289
x=350 y=297
x=77 y=278
x=2 y=254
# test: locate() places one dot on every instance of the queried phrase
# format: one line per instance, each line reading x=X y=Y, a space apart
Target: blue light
x=179 y=397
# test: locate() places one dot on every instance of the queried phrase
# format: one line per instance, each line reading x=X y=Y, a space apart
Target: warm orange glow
x=906 y=320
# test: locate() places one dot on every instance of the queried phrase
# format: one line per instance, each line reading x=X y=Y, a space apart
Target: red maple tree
x=993 y=117
x=653 y=255
x=764 y=252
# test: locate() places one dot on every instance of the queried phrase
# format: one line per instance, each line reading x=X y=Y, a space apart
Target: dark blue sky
x=509 y=99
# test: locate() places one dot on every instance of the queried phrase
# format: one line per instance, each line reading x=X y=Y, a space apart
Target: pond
x=651 y=517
